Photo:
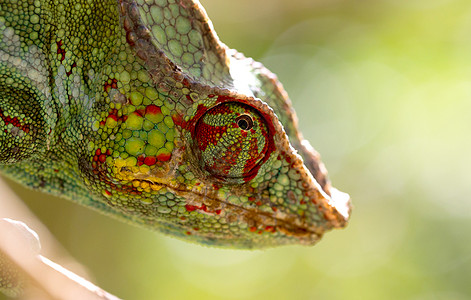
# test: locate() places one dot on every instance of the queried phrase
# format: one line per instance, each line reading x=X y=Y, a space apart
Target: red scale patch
x=208 y=134
x=14 y=121
x=150 y=160
x=71 y=68
x=113 y=114
x=164 y=156
x=60 y=50
x=110 y=84
x=203 y=207
x=153 y=110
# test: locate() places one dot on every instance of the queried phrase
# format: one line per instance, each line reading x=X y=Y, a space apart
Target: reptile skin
x=137 y=110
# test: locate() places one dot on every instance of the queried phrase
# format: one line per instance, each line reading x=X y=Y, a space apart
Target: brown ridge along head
x=240 y=170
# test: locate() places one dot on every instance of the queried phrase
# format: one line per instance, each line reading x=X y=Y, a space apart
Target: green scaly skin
x=137 y=110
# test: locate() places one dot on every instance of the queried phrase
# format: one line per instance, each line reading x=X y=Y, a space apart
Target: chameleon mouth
x=331 y=207
x=289 y=225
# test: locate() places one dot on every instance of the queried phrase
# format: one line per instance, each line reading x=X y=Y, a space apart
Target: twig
x=33 y=273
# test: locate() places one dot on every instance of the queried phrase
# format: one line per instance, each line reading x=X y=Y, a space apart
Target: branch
x=23 y=270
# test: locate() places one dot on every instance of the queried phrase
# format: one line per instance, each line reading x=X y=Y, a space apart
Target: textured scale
x=137 y=110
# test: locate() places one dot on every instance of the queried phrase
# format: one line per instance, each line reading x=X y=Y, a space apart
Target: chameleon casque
x=137 y=110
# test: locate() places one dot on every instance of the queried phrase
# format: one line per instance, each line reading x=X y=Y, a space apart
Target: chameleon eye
x=232 y=140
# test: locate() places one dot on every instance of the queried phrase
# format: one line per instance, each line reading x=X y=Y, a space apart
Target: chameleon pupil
x=244 y=122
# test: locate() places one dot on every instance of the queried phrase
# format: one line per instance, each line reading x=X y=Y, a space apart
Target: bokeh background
x=382 y=89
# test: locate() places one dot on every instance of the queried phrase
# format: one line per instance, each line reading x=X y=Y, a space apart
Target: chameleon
x=134 y=108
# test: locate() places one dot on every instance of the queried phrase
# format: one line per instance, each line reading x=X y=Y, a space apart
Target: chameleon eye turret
x=232 y=141
x=135 y=108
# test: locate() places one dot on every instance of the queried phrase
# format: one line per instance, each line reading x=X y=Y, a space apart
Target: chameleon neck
x=82 y=43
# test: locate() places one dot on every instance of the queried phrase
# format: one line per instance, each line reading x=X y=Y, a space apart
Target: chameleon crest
x=137 y=110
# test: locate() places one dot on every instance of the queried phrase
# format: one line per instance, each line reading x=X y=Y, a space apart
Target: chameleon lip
x=288 y=224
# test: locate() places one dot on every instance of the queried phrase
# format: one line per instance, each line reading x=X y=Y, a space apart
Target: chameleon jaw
x=289 y=228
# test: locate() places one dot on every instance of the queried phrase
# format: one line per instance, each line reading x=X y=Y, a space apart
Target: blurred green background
x=382 y=89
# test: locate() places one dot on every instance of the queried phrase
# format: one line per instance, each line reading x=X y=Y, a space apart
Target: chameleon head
x=206 y=146
x=232 y=178
x=143 y=114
